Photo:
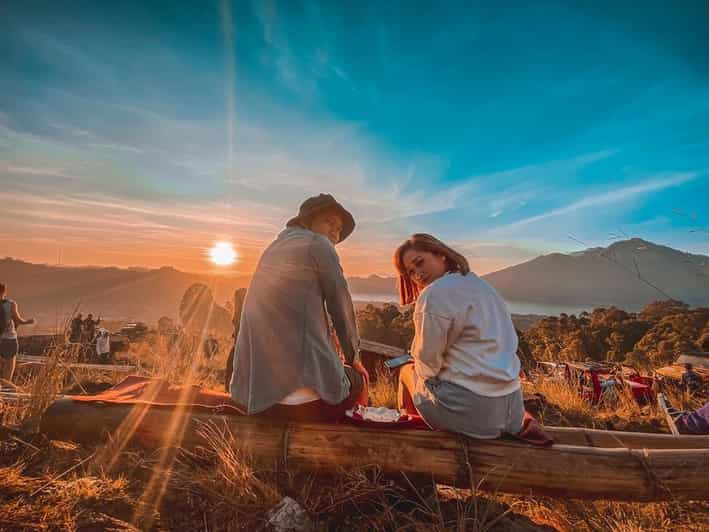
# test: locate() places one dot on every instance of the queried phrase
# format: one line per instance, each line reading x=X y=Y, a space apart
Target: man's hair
x=3 y=288
x=455 y=262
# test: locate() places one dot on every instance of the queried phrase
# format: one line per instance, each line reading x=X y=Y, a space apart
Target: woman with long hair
x=465 y=375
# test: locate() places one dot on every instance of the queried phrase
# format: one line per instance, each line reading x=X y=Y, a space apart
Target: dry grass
x=618 y=409
x=383 y=390
x=63 y=486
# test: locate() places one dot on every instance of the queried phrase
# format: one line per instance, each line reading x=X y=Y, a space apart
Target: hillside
x=594 y=277
x=608 y=276
x=51 y=292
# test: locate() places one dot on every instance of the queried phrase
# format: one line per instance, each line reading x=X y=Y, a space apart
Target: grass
x=54 y=485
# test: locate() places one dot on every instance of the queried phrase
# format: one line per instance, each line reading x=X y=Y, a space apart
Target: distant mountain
x=52 y=292
x=373 y=285
x=629 y=273
x=594 y=277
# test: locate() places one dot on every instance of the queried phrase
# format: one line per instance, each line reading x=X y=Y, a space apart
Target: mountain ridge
x=629 y=274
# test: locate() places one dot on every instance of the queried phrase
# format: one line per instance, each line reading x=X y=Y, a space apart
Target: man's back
x=284 y=342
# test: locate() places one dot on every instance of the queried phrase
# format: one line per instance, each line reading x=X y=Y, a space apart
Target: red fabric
x=157 y=392
x=144 y=390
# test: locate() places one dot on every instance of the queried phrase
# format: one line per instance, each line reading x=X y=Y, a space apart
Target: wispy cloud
x=74 y=131
x=36 y=171
x=607 y=198
x=115 y=146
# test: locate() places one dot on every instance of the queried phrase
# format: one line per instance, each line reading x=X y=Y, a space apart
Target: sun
x=222 y=254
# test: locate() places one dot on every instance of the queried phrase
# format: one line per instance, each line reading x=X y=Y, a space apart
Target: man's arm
x=337 y=296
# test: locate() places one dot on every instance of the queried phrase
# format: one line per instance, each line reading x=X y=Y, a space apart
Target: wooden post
x=662 y=403
x=569 y=471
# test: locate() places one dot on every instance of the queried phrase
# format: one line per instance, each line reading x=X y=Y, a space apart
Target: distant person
x=690 y=381
x=285 y=364
x=210 y=347
x=465 y=375
x=90 y=328
x=103 y=345
x=76 y=329
x=239 y=296
x=10 y=318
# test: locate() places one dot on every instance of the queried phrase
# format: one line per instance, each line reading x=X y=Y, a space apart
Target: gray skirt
x=447 y=406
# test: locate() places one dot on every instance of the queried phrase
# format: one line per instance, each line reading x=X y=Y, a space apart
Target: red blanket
x=157 y=392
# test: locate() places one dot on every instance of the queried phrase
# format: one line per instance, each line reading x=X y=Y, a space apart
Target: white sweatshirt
x=464 y=335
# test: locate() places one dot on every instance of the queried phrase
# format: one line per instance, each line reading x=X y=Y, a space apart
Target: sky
x=138 y=134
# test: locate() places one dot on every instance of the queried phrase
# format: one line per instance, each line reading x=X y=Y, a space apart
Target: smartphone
x=394 y=363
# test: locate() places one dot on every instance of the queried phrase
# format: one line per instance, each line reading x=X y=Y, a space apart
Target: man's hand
x=359 y=368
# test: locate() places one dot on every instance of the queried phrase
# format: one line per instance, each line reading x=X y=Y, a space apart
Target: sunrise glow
x=222 y=254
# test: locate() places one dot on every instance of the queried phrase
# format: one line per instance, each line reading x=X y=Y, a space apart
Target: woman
x=9 y=320
x=465 y=372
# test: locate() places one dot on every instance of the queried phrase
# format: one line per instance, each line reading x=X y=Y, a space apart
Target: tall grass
x=217 y=486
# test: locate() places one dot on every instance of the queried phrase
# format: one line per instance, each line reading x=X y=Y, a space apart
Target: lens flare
x=222 y=254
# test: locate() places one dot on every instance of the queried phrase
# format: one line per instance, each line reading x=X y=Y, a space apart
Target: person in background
x=210 y=347
x=90 y=328
x=239 y=297
x=10 y=318
x=76 y=329
x=103 y=345
x=690 y=381
x=285 y=364
x=465 y=372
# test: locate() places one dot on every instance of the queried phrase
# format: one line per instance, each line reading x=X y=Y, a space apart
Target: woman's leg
x=407 y=385
x=8 y=368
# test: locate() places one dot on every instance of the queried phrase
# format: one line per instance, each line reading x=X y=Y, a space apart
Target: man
x=285 y=363
x=690 y=380
x=210 y=347
x=90 y=327
x=76 y=327
x=9 y=320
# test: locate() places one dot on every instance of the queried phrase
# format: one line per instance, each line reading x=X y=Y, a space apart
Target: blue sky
x=140 y=134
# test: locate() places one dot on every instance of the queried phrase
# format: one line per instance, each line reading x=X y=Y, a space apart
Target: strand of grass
x=53 y=480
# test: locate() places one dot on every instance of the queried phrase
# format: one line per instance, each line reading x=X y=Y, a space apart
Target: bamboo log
x=633 y=440
x=570 y=471
x=41 y=360
x=387 y=351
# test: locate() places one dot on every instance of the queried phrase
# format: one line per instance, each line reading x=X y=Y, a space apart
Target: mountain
x=629 y=273
x=52 y=292
x=373 y=285
x=594 y=277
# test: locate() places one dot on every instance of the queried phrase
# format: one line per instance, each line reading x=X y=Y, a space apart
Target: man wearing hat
x=285 y=362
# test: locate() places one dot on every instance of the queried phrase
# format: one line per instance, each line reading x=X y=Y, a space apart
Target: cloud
x=37 y=171
x=115 y=146
x=76 y=132
x=607 y=198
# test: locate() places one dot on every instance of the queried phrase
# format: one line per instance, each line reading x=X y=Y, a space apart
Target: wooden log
x=611 y=439
x=40 y=360
x=570 y=471
x=378 y=348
